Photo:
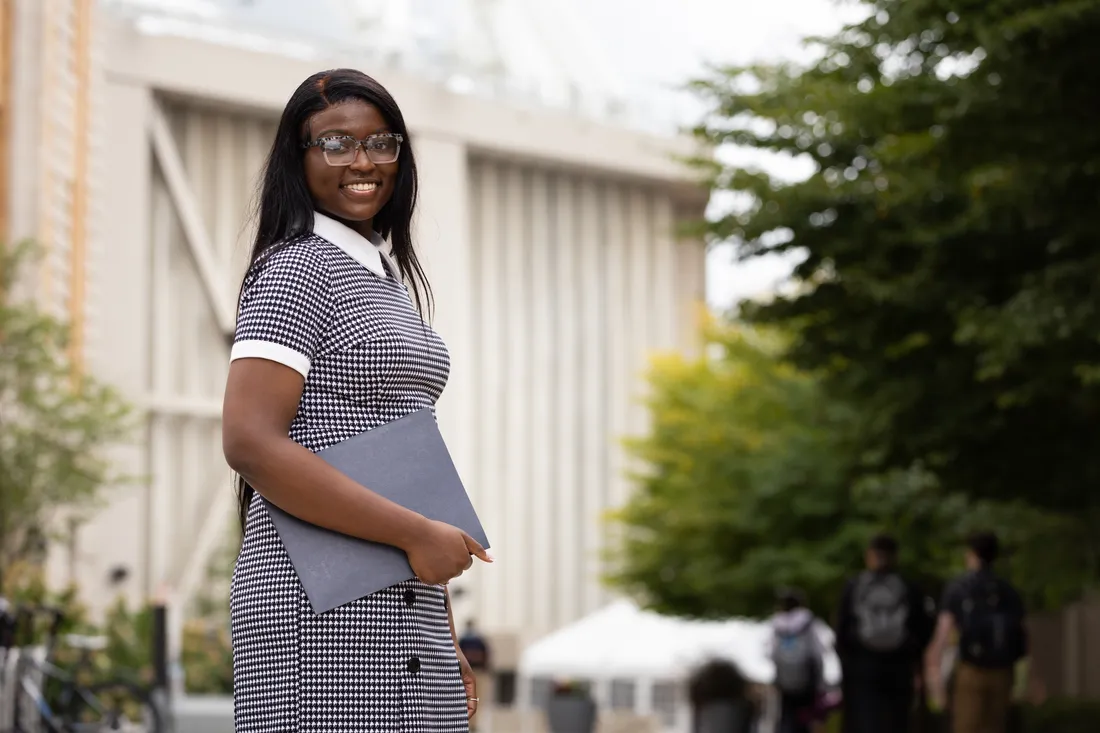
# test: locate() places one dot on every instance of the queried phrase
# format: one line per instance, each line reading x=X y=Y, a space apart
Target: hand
x=441 y=552
x=937 y=698
x=469 y=683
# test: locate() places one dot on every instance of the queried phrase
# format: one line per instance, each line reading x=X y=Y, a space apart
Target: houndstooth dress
x=326 y=306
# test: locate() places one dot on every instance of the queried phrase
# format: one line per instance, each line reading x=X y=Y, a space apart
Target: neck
x=363 y=228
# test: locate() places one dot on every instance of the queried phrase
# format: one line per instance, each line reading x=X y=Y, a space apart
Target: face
x=354 y=193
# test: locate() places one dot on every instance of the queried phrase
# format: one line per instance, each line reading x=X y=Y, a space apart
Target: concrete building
x=131 y=144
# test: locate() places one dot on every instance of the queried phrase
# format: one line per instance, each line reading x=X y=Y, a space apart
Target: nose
x=362 y=161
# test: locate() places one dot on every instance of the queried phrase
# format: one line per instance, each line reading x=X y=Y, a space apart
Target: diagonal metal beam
x=190 y=216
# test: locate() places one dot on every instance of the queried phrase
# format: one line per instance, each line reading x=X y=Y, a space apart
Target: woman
x=328 y=344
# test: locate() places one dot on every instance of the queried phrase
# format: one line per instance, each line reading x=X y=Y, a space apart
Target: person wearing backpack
x=988 y=615
x=797 y=650
x=883 y=624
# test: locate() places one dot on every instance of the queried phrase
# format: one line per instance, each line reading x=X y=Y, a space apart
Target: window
x=623 y=693
x=664 y=702
x=541 y=687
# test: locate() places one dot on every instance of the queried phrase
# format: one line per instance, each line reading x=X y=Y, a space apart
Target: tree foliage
x=54 y=428
x=753 y=481
x=949 y=232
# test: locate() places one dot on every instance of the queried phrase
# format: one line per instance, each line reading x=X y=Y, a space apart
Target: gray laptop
x=405 y=461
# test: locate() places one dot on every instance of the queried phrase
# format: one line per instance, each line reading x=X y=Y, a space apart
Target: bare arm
x=945 y=627
x=261 y=399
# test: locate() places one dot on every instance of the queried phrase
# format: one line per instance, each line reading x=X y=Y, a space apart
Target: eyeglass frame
x=359 y=144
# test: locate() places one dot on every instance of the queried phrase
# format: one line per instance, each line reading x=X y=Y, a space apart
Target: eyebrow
x=341 y=131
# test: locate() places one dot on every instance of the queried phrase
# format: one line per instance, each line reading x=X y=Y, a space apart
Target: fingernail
x=490 y=556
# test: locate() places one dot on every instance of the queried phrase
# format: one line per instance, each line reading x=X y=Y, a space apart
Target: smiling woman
x=343 y=183
x=328 y=344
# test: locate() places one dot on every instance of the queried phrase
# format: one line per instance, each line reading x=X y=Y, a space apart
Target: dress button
x=414 y=665
x=410 y=597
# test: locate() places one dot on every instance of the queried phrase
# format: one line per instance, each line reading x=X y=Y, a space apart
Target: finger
x=469 y=562
x=476 y=549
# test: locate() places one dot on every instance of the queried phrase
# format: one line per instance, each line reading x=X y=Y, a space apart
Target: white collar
x=366 y=251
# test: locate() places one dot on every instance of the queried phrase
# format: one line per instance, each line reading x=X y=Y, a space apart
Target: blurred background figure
x=798 y=652
x=985 y=617
x=722 y=700
x=883 y=628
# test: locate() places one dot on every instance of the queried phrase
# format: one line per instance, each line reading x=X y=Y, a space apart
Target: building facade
x=131 y=153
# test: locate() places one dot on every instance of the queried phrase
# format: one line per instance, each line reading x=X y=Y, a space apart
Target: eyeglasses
x=342 y=149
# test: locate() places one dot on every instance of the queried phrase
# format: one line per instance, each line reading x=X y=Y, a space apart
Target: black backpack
x=880 y=605
x=991 y=625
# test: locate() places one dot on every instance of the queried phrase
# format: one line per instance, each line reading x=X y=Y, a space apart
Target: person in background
x=721 y=699
x=883 y=625
x=474 y=646
x=798 y=652
x=988 y=615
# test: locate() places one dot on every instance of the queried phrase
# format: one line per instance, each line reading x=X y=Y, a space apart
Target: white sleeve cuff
x=284 y=355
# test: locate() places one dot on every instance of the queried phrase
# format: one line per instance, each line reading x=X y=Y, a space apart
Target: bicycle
x=49 y=699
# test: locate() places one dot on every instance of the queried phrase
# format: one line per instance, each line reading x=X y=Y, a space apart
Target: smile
x=364 y=187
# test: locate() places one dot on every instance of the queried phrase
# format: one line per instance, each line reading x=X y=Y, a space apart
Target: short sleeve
x=952 y=599
x=286 y=306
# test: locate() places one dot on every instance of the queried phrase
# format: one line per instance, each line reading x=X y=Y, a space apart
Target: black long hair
x=285 y=208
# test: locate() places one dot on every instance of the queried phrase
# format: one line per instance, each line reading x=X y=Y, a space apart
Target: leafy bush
x=207 y=656
x=55 y=424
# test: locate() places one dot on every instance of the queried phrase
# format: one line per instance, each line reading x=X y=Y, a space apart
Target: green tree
x=54 y=427
x=949 y=231
x=752 y=481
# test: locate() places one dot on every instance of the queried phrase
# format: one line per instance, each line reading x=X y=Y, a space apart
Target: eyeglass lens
x=342 y=151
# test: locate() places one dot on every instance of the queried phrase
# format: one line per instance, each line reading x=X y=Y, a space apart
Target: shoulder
x=849 y=588
x=1009 y=589
x=307 y=253
x=956 y=589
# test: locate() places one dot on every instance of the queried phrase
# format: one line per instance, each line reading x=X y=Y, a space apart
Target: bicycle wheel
x=30 y=712
x=115 y=707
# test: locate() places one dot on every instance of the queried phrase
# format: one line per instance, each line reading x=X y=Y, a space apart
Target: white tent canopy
x=622 y=641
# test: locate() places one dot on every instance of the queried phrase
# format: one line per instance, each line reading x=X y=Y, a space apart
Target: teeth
x=362 y=186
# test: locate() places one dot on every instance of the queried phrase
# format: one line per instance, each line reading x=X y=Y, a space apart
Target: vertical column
x=665 y=273
x=639 y=249
x=590 y=487
x=7 y=54
x=119 y=350
x=82 y=122
x=619 y=322
x=567 y=530
x=516 y=386
x=22 y=177
x=46 y=229
x=545 y=482
x=161 y=527
x=488 y=423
